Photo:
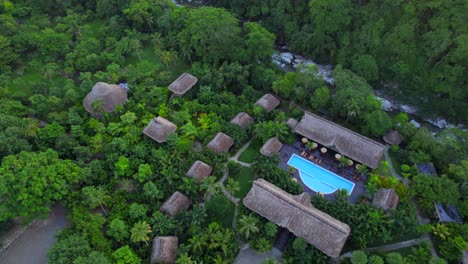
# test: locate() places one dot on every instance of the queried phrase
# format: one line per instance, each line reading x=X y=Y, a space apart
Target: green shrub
x=405 y=168
x=395 y=148
x=375 y=260
x=359 y=257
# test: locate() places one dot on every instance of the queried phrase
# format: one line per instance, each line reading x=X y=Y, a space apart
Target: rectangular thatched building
x=242 y=119
x=220 y=143
x=159 y=128
x=271 y=146
x=386 y=199
x=297 y=214
x=164 y=249
x=343 y=140
x=199 y=170
x=268 y=102
x=183 y=84
x=175 y=204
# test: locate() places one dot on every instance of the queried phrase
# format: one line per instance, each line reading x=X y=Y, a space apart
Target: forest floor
x=35 y=241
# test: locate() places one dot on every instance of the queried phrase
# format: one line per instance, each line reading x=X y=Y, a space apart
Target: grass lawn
x=250 y=153
x=220 y=210
x=245 y=178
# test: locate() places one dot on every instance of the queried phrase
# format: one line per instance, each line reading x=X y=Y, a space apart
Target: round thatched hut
x=111 y=95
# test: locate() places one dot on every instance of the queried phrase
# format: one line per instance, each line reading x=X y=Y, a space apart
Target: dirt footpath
x=32 y=246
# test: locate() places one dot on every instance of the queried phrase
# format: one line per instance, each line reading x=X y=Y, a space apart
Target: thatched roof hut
x=159 y=128
x=164 y=249
x=220 y=143
x=292 y=123
x=386 y=199
x=343 y=140
x=199 y=170
x=268 y=102
x=175 y=204
x=393 y=138
x=271 y=146
x=297 y=214
x=110 y=94
x=183 y=84
x=242 y=119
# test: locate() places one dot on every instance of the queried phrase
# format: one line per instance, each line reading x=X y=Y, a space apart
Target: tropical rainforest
x=113 y=179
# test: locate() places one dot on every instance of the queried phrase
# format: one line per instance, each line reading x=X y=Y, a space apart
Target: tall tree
x=140 y=231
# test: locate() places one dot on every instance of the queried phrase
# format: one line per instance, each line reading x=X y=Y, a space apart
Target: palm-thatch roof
x=271 y=146
x=242 y=119
x=268 y=102
x=159 y=128
x=393 y=138
x=110 y=94
x=164 y=249
x=183 y=84
x=292 y=123
x=199 y=170
x=345 y=141
x=386 y=199
x=175 y=204
x=299 y=216
x=220 y=143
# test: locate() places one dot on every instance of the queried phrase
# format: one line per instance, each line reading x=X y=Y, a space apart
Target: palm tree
x=163 y=224
x=140 y=231
x=184 y=259
x=31 y=128
x=96 y=196
x=343 y=162
x=247 y=225
x=232 y=186
x=197 y=243
x=210 y=186
x=362 y=169
x=441 y=231
x=98 y=106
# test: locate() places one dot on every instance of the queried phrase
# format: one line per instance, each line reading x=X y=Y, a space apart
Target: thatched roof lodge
x=393 y=138
x=268 y=102
x=343 y=140
x=159 y=128
x=220 y=143
x=242 y=119
x=297 y=214
x=386 y=199
x=110 y=94
x=164 y=249
x=271 y=146
x=199 y=170
x=183 y=84
x=175 y=204
x=292 y=123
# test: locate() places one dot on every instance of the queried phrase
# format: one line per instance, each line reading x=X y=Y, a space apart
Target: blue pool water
x=317 y=178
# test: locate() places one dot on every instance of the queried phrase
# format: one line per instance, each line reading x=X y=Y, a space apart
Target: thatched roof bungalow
x=220 y=143
x=386 y=199
x=183 y=84
x=297 y=214
x=159 y=128
x=343 y=140
x=175 y=204
x=268 y=102
x=242 y=119
x=164 y=249
x=393 y=138
x=271 y=146
x=199 y=170
x=110 y=94
x=292 y=123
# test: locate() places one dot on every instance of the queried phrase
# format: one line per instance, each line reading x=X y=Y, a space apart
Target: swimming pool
x=317 y=178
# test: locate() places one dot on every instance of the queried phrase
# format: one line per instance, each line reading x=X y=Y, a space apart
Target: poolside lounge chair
x=311 y=157
x=357 y=178
x=303 y=153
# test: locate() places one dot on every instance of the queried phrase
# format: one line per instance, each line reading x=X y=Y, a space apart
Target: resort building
x=340 y=139
x=175 y=204
x=220 y=143
x=199 y=170
x=183 y=84
x=159 y=128
x=111 y=95
x=242 y=119
x=164 y=249
x=268 y=102
x=393 y=138
x=297 y=214
x=271 y=147
x=386 y=199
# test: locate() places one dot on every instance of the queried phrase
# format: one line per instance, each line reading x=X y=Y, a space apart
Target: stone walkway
x=250 y=256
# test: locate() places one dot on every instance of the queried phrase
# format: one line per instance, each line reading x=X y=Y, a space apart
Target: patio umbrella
x=314 y=145
x=323 y=150
x=304 y=140
x=357 y=166
x=337 y=156
x=350 y=163
x=294 y=179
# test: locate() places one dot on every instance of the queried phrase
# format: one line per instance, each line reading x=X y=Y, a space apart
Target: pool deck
x=328 y=162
